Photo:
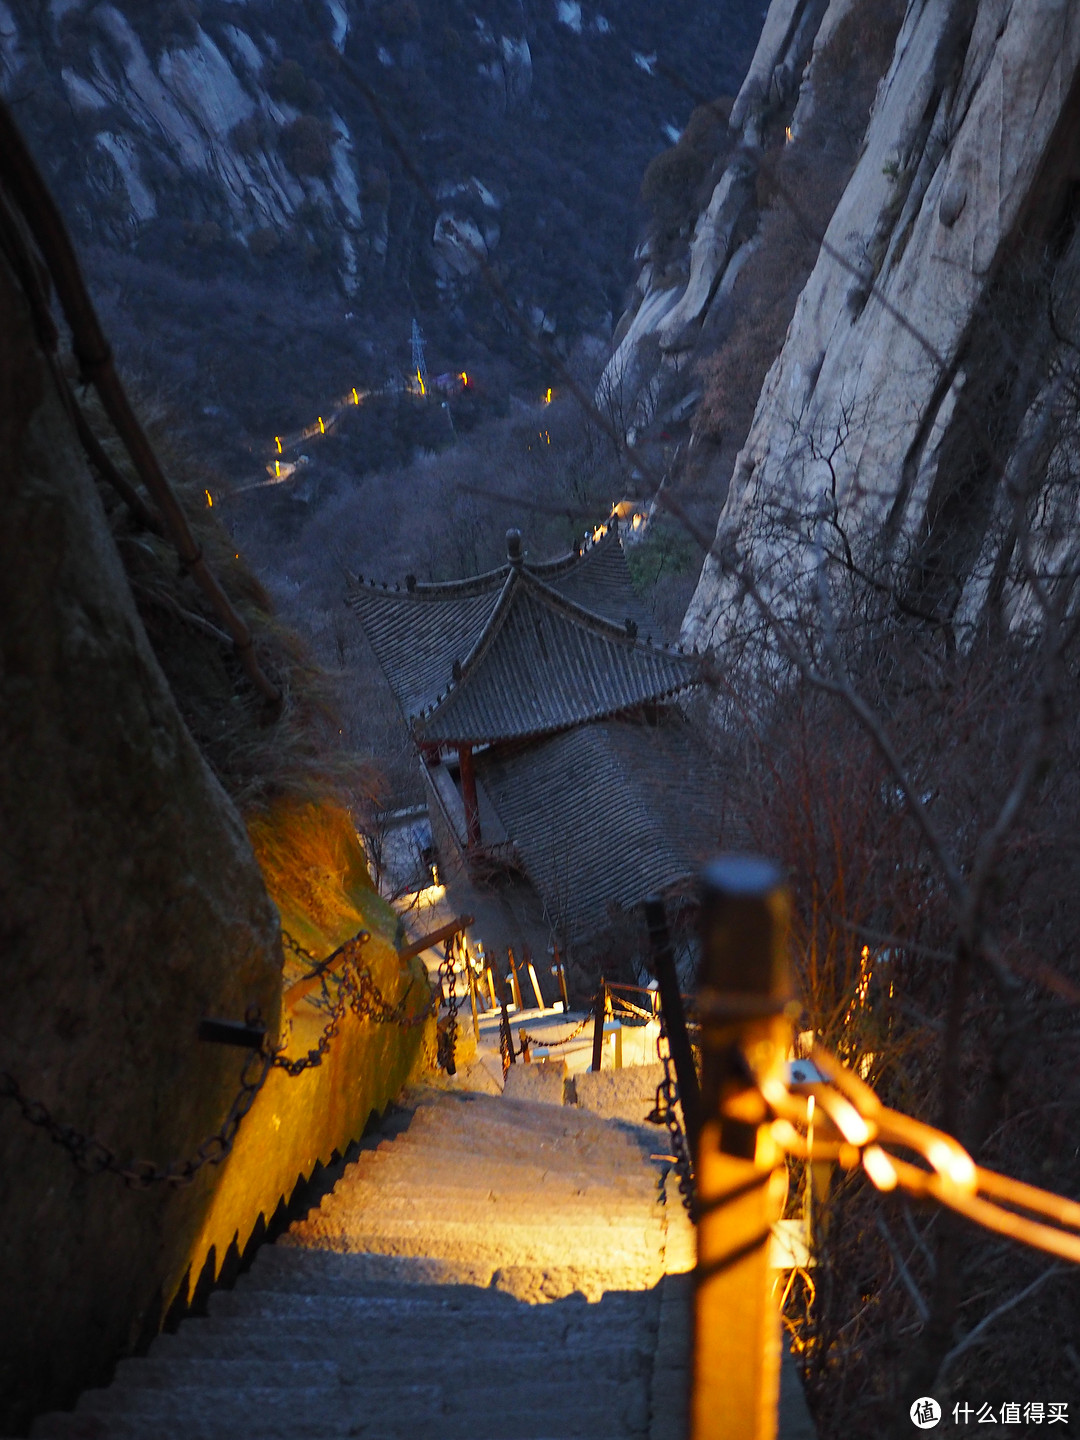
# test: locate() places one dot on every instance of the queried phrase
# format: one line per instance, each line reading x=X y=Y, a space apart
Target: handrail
x=444 y=932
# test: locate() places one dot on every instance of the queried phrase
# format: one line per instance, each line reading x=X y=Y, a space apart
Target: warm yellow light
x=322 y=427
x=464 y=378
x=637 y=521
x=848 y=1120
x=431 y=896
x=788 y=135
x=879 y=1167
x=599 y=533
x=953 y=1163
x=277 y=442
x=355 y=397
x=547 y=397
x=277 y=467
x=209 y=497
x=420 y=382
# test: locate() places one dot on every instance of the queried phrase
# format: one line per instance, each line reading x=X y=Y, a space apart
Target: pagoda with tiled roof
x=525 y=689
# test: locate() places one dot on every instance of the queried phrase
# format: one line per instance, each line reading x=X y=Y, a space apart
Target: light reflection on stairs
x=493 y=1272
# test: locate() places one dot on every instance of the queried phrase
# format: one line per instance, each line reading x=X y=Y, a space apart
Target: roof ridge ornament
x=513 y=548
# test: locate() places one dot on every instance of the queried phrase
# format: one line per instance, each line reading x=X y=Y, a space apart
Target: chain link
x=528 y=1039
x=356 y=991
x=665 y=1113
x=447 y=1037
x=94 y=1157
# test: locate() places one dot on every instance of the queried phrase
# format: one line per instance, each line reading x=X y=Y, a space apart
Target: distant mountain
x=247 y=218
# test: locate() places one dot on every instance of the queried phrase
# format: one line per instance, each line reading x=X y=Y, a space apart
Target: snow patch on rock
x=568 y=13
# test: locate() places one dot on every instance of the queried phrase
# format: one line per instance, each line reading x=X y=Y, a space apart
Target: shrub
x=263 y=242
x=306 y=146
x=376 y=186
x=400 y=18
x=77 y=32
x=290 y=84
x=245 y=136
x=177 y=24
x=673 y=178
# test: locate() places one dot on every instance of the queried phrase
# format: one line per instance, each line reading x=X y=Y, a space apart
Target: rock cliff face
x=916 y=381
x=131 y=906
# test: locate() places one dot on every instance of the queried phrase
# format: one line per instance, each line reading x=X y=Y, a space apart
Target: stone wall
x=131 y=906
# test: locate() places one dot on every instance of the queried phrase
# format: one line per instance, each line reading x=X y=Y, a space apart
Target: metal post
x=560 y=970
x=533 y=980
x=506 y=1040
x=743 y=1000
x=515 y=984
x=472 y=991
x=599 y=1015
x=671 y=1008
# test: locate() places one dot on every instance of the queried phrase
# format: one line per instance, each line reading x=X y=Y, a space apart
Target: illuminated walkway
x=495 y=1270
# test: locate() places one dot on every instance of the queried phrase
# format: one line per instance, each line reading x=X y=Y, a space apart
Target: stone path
x=493 y=1271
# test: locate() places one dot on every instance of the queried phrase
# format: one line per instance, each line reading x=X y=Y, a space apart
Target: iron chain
x=357 y=991
x=665 y=1113
x=94 y=1157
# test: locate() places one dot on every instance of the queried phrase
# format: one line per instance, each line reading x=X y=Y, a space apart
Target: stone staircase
x=489 y=1268
x=495 y=1270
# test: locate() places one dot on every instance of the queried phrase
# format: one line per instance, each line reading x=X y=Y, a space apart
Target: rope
x=869 y=1131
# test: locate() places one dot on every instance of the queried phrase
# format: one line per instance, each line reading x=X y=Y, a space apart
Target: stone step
x=573 y=1127
x=305 y=1312
x=502 y=1242
x=520 y=1123
x=484 y=1210
x=530 y=1207
x=451 y=1167
x=529 y=1410
x=205 y=1367
x=197 y=1426
x=620 y=1354
x=360 y=1275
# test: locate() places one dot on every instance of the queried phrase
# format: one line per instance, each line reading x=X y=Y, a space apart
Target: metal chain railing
x=356 y=991
x=866 y=1127
x=93 y=1157
x=447 y=1038
x=665 y=1112
x=541 y=1040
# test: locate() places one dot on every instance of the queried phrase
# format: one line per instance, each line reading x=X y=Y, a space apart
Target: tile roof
x=603 y=815
x=524 y=650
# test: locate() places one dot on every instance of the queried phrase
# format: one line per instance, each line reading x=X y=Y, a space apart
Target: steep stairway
x=495 y=1271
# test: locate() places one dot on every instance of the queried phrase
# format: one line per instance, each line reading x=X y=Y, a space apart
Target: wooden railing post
x=743 y=999
x=559 y=970
x=662 y=959
x=533 y=978
x=515 y=983
x=599 y=1016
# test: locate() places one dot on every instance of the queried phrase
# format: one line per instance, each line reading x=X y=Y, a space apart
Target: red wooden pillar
x=468 y=793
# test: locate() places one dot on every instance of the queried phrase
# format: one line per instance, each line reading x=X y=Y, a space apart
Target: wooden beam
x=444 y=932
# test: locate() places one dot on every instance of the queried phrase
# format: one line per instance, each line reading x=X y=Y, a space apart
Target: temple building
x=550 y=736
